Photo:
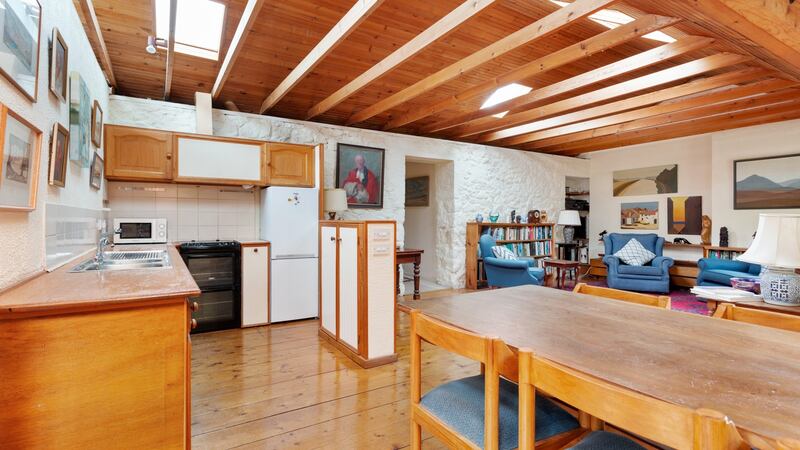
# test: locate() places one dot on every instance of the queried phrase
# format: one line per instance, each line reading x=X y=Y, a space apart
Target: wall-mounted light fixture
x=153 y=43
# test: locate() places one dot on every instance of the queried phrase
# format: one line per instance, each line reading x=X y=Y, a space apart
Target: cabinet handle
x=194 y=306
x=333 y=239
x=194 y=323
x=255 y=250
x=169 y=157
x=340 y=239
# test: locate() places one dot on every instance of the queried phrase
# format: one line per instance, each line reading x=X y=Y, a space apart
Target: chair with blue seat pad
x=650 y=277
x=508 y=272
x=478 y=411
x=718 y=272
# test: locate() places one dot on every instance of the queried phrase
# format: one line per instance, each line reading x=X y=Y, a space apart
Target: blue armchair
x=653 y=277
x=718 y=272
x=508 y=272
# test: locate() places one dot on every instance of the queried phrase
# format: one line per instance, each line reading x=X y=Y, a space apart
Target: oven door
x=212 y=270
x=219 y=310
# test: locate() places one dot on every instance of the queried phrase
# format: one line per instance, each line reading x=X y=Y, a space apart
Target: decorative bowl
x=746 y=284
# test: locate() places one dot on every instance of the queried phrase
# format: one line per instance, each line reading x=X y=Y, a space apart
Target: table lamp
x=335 y=201
x=569 y=219
x=777 y=249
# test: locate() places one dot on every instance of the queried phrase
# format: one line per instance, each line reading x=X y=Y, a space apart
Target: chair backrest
x=758 y=317
x=651 y=241
x=486 y=242
x=659 y=301
x=659 y=421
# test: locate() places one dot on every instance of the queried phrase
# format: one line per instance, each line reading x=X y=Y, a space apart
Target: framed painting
x=97 y=124
x=646 y=181
x=80 y=121
x=418 y=191
x=59 y=155
x=21 y=21
x=685 y=215
x=20 y=150
x=639 y=216
x=96 y=171
x=767 y=183
x=59 y=58
x=359 y=171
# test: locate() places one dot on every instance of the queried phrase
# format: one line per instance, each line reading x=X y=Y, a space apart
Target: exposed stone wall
x=479 y=178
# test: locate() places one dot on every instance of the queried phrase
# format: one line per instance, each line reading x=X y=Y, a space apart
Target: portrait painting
x=59 y=155
x=418 y=191
x=20 y=150
x=646 y=181
x=59 y=56
x=685 y=215
x=97 y=124
x=80 y=121
x=21 y=23
x=639 y=216
x=767 y=183
x=359 y=171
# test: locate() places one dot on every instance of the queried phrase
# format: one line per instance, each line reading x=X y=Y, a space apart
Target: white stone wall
x=481 y=178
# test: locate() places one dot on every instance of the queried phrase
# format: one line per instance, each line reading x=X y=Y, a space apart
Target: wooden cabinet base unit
x=255 y=284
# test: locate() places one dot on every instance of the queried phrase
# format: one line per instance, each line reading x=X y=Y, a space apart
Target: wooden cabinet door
x=327 y=274
x=348 y=286
x=291 y=165
x=255 y=285
x=138 y=154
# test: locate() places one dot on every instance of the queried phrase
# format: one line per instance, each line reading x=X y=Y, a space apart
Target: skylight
x=611 y=18
x=503 y=94
x=198 y=26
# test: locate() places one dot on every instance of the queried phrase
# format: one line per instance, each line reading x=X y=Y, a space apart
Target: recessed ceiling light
x=503 y=94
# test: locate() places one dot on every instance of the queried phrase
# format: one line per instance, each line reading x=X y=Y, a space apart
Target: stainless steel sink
x=127 y=260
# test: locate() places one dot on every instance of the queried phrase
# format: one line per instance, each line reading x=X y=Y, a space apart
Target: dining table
x=749 y=373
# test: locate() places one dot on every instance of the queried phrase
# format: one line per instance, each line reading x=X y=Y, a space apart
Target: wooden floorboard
x=280 y=386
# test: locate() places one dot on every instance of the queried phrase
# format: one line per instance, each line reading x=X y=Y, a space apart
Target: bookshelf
x=526 y=240
x=710 y=251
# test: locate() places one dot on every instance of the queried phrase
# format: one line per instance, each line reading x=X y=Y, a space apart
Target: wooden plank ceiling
x=425 y=67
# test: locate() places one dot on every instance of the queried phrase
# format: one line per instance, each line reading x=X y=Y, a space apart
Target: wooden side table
x=562 y=266
x=409 y=256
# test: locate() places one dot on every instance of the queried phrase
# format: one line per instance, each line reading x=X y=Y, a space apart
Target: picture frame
x=59 y=156
x=640 y=181
x=59 y=65
x=767 y=183
x=80 y=121
x=21 y=66
x=360 y=171
x=639 y=215
x=20 y=152
x=96 y=171
x=418 y=191
x=97 y=124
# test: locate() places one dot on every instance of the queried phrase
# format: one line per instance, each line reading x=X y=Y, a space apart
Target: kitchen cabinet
x=137 y=154
x=292 y=165
x=357 y=289
x=220 y=161
x=255 y=283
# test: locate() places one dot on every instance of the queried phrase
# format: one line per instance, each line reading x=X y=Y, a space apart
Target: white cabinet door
x=220 y=160
x=348 y=286
x=327 y=266
x=255 y=286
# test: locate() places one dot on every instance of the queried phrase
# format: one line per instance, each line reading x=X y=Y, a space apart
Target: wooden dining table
x=750 y=373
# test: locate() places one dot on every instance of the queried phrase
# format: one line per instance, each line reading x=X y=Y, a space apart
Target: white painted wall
x=421 y=222
x=24 y=234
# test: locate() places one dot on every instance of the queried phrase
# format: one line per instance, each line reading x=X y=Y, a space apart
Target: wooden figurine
x=723 y=237
x=705 y=233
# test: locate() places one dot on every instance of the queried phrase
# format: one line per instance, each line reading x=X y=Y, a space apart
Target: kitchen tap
x=103 y=240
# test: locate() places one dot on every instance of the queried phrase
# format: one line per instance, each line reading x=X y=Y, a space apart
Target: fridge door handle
x=296 y=256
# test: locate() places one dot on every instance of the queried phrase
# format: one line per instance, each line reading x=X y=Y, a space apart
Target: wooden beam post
x=173 y=13
x=95 y=36
x=251 y=10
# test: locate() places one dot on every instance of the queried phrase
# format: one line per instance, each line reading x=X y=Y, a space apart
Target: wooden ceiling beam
x=531 y=122
x=173 y=13
x=442 y=27
x=95 y=35
x=537 y=30
x=246 y=22
x=606 y=125
x=483 y=119
x=349 y=22
x=574 y=52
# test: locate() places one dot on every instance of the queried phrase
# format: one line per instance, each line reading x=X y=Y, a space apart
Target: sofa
x=507 y=272
x=718 y=272
x=651 y=277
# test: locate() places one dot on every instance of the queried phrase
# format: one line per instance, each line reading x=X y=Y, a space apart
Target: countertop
x=62 y=290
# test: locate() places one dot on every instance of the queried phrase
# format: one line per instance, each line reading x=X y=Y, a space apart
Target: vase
x=479 y=218
x=494 y=216
x=780 y=286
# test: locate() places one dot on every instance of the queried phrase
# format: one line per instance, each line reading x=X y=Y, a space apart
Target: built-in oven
x=216 y=268
x=140 y=231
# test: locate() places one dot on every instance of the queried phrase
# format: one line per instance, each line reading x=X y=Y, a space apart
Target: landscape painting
x=685 y=215
x=80 y=121
x=418 y=191
x=767 y=183
x=646 y=181
x=639 y=216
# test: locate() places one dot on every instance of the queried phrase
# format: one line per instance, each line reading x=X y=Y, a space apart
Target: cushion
x=723 y=276
x=603 y=440
x=640 y=270
x=537 y=272
x=503 y=252
x=634 y=254
x=460 y=404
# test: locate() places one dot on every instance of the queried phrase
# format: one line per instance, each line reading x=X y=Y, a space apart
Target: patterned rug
x=682 y=299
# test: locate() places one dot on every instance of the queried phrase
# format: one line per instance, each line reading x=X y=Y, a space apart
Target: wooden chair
x=655 y=420
x=660 y=301
x=771 y=319
x=479 y=411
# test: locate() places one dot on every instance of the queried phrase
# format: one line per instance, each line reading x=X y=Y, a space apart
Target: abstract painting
x=639 y=216
x=359 y=171
x=767 y=183
x=59 y=58
x=418 y=191
x=646 y=181
x=80 y=121
x=59 y=155
x=21 y=23
x=685 y=215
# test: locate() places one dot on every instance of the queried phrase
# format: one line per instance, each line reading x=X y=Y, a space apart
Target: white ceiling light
x=503 y=94
x=611 y=18
x=198 y=26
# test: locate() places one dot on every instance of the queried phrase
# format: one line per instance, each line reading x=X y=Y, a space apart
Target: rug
x=681 y=298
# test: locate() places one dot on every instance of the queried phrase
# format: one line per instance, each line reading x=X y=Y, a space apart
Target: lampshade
x=569 y=217
x=777 y=241
x=335 y=200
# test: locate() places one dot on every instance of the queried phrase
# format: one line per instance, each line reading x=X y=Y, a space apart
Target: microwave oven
x=140 y=231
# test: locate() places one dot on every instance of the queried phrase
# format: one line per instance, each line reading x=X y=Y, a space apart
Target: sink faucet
x=103 y=240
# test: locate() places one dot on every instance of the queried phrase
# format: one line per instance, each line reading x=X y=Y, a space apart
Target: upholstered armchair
x=651 y=277
x=718 y=272
x=508 y=272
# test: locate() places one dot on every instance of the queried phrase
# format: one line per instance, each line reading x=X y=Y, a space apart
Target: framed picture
x=418 y=191
x=59 y=155
x=97 y=124
x=96 y=172
x=685 y=215
x=59 y=58
x=359 y=171
x=646 y=181
x=19 y=154
x=21 y=21
x=80 y=121
x=639 y=216
x=767 y=183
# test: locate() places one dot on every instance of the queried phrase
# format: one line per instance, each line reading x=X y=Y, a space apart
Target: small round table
x=562 y=266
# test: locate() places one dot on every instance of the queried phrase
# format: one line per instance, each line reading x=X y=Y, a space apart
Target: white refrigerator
x=290 y=222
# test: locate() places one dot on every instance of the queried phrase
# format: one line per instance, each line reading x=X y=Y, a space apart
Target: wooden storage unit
x=219 y=160
x=712 y=251
x=291 y=165
x=357 y=289
x=135 y=154
x=255 y=283
x=537 y=238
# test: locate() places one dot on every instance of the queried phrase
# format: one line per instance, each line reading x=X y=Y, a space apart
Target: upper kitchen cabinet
x=219 y=160
x=137 y=154
x=291 y=165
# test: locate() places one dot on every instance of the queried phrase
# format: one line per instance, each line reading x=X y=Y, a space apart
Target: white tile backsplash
x=69 y=232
